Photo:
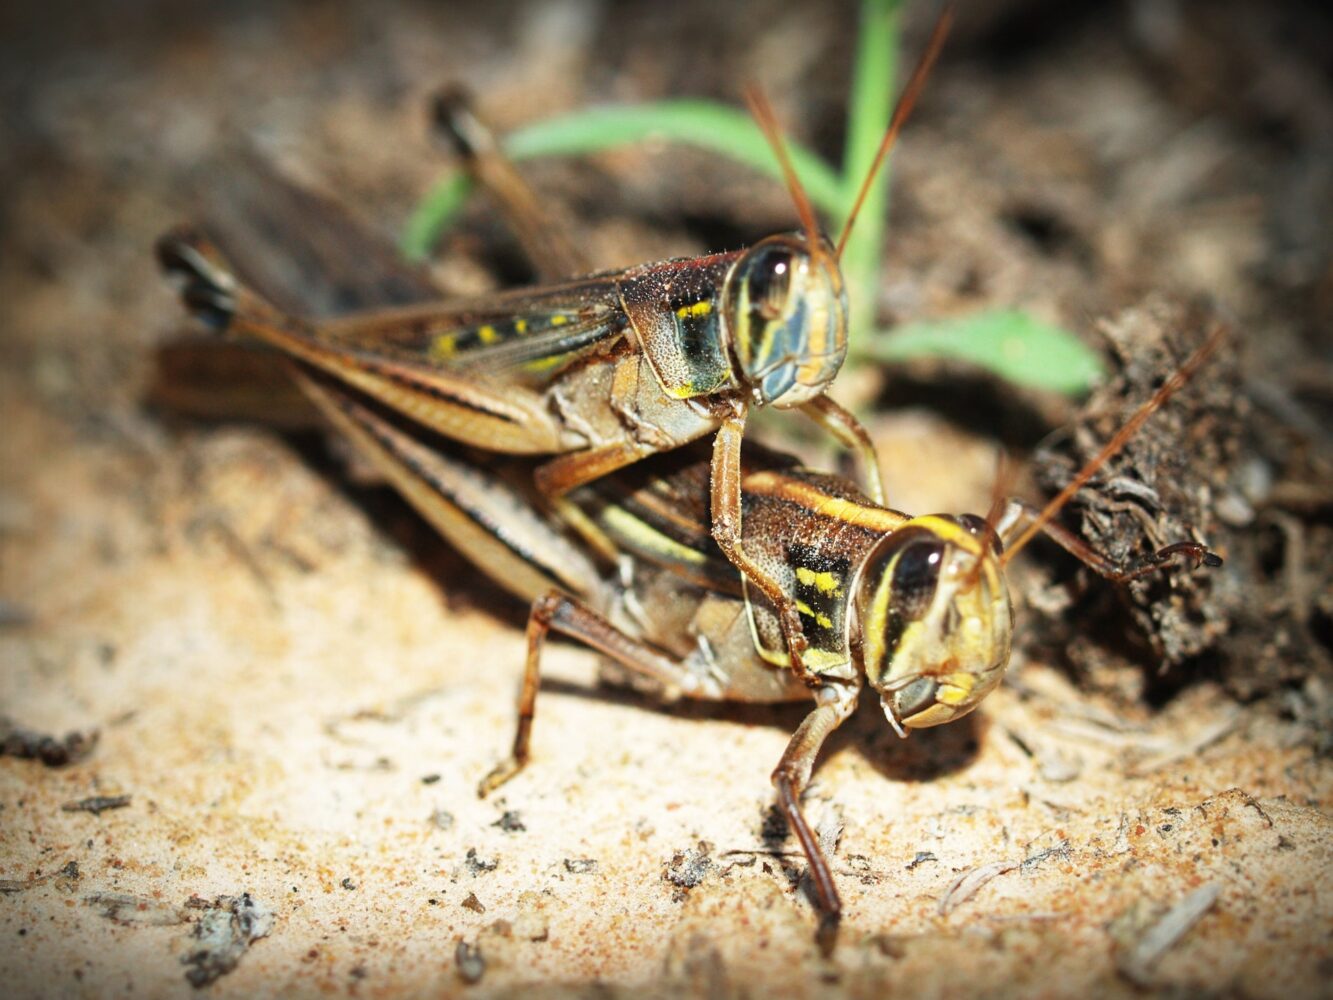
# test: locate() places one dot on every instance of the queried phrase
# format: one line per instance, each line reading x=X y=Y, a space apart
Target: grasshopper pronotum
x=605 y=370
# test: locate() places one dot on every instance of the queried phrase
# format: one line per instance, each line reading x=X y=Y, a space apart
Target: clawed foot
x=500 y=774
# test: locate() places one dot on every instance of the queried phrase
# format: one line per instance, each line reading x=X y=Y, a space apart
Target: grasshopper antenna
x=768 y=123
x=1169 y=388
x=900 y=113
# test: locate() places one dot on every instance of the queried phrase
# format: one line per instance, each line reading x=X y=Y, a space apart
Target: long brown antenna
x=900 y=113
x=768 y=123
x=1169 y=388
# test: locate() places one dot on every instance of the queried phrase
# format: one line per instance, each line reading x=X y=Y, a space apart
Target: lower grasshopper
x=605 y=370
x=917 y=607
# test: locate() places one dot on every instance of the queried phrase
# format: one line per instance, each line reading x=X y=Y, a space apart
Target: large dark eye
x=978 y=526
x=768 y=280
x=916 y=572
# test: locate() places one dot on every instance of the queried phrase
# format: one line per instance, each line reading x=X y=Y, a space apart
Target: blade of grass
x=867 y=116
x=1007 y=342
x=704 y=124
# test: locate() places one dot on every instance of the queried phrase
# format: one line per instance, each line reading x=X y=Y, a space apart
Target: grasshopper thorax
x=785 y=311
x=935 y=619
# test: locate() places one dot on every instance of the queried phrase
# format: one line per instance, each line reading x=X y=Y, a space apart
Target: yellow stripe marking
x=955 y=689
x=825 y=583
x=784 y=487
x=951 y=533
x=521 y=325
x=621 y=522
x=487 y=334
x=559 y=319
x=696 y=309
x=821 y=619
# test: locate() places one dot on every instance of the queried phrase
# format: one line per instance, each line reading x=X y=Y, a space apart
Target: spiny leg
x=790 y=777
x=566 y=472
x=566 y=615
x=726 y=497
x=552 y=253
x=851 y=434
x=1019 y=513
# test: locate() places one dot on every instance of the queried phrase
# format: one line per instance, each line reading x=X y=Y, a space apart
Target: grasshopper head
x=786 y=314
x=935 y=619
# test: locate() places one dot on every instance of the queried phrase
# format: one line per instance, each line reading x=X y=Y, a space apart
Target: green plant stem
x=868 y=115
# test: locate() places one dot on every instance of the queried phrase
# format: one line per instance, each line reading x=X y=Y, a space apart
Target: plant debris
x=1162 y=485
x=965 y=886
x=1136 y=962
x=130 y=910
x=97 y=804
x=223 y=935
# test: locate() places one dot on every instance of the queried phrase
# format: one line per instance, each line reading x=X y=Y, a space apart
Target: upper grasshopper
x=604 y=370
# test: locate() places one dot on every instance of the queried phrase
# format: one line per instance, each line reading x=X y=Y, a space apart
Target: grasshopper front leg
x=852 y=435
x=726 y=501
x=837 y=701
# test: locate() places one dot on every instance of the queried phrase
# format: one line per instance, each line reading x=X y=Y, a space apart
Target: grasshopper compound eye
x=786 y=312
x=935 y=621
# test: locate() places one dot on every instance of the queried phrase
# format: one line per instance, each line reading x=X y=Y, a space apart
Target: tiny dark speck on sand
x=510 y=822
x=580 y=866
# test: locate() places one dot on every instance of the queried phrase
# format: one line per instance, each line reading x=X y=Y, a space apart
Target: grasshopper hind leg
x=565 y=615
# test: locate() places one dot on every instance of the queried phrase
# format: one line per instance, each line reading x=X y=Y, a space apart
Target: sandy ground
x=297 y=688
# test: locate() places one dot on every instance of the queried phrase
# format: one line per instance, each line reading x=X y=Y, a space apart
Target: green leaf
x=1007 y=342
x=704 y=124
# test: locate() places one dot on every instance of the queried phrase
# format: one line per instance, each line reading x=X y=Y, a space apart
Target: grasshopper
x=605 y=370
x=918 y=608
